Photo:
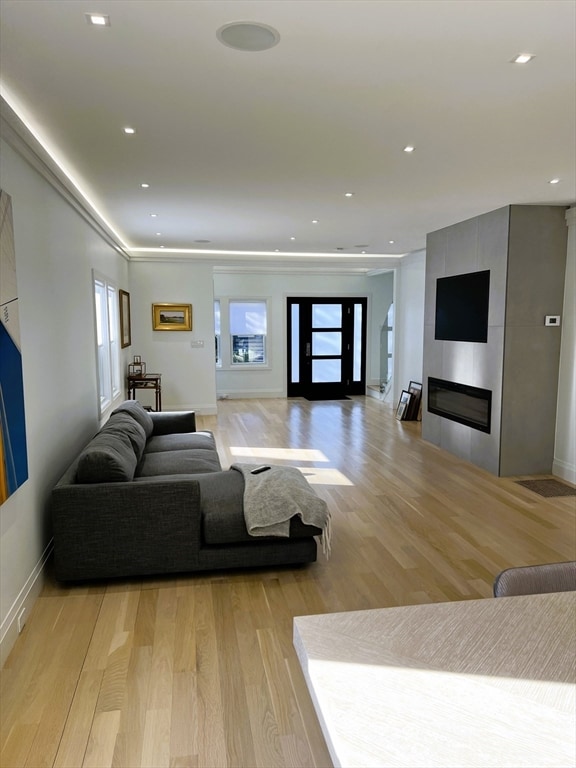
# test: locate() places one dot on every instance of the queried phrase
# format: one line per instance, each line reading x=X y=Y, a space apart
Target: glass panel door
x=326 y=343
x=326 y=347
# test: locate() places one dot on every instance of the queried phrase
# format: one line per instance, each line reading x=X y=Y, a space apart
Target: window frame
x=218 y=332
x=226 y=337
x=242 y=364
x=106 y=299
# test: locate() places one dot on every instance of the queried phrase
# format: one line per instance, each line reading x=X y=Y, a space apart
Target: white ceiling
x=245 y=149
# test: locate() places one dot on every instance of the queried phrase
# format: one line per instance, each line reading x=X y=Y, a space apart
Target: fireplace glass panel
x=462 y=403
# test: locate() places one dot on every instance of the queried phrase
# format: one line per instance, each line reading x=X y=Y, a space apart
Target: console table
x=147 y=381
x=477 y=683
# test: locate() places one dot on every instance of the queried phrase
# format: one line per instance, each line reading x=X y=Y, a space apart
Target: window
x=248 y=332
x=107 y=341
x=240 y=329
x=217 y=333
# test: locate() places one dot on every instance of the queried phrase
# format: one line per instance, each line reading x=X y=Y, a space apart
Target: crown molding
x=17 y=135
x=257 y=263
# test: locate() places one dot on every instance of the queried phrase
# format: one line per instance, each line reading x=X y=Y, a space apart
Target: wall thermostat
x=552 y=320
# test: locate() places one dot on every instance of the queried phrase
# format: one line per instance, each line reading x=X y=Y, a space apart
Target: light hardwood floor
x=201 y=670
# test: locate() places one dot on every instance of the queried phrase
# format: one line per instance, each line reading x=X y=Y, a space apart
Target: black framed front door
x=326 y=347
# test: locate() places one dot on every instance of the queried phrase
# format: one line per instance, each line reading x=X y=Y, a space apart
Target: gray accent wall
x=524 y=247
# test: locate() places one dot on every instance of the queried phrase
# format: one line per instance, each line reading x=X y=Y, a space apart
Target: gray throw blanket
x=273 y=497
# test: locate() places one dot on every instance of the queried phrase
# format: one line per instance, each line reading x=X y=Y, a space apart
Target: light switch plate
x=552 y=320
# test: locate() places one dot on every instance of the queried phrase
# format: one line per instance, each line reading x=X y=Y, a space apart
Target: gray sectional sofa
x=148 y=496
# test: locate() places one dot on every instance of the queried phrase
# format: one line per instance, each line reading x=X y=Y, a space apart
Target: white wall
x=409 y=321
x=56 y=251
x=275 y=287
x=564 y=464
x=188 y=373
x=189 y=376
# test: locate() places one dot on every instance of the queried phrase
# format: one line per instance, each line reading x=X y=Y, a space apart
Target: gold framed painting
x=172 y=317
x=125 y=324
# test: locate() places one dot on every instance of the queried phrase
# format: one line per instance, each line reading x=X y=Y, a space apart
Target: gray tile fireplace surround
x=524 y=247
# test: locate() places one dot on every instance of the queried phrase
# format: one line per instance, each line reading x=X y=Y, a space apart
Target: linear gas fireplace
x=467 y=405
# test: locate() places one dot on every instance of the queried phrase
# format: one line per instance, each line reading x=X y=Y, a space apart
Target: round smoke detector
x=248 y=36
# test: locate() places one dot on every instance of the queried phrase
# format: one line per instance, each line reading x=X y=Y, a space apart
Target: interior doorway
x=326 y=347
x=387 y=353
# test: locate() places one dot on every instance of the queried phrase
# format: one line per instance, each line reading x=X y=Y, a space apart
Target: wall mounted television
x=462 y=307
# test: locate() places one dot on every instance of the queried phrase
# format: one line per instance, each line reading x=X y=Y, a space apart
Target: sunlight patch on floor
x=314 y=475
x=328 y=476
x=287 y=454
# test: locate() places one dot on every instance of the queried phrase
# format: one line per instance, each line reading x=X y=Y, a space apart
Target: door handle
x=308 y=349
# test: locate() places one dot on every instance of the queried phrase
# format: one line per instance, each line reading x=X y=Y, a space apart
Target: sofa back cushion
x=182 y=441
x=108 y=458
x=123 y=424
x=138 y=413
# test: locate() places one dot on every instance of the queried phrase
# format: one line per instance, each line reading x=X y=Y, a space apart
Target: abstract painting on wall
x=13 y=453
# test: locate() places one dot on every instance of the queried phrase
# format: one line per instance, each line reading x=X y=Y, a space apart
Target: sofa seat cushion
x=138 y=413
x=189 y=461
x=181 y=441
x=218 y=527
x=108 y=458
x=222 y=501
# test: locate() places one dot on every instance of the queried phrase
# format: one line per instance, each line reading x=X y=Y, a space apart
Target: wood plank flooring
x=200 y=670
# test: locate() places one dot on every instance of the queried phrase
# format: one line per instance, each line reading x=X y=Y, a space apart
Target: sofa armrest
x=103 y=530
x=170 y=422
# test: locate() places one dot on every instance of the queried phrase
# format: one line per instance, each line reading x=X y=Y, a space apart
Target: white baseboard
x=201 y=410
x=238 y=394
x=564 y=470
x=24 y=602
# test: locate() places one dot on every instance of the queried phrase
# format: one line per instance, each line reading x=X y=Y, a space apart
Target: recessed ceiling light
x=292 y=238
x=409 y=148
x=161 y=246
x=362 y=251
x=98 y=19
x=153 y=215
x=129 y=131
x=554 y=181
x=523 y=58
x=158 y=233
x=391 y=242
x=145 y=186
x=348 y=194
x=314 y=221
x=248 y=36
x=276 y=250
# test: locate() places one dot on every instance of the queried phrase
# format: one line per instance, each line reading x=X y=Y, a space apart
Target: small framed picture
x=172 y=317
x=125 y=324
x=415 y=389
x=403 y=405
x=137 y=369
x=137 y=359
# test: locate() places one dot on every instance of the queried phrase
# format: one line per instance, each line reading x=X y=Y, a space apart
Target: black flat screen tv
x=462 y=307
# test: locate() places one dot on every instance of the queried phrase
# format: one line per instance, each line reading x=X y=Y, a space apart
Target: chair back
x=536 y=579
